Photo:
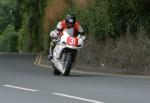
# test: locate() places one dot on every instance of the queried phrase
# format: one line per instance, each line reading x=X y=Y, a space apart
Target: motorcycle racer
x=69 y=22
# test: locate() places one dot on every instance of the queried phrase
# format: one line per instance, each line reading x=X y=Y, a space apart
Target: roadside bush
x=111 y=18
x=118 y=35
x=94 y=18
x=9 y=41
x=13 y=42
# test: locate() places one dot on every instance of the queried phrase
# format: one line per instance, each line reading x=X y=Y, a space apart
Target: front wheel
x=68 y=65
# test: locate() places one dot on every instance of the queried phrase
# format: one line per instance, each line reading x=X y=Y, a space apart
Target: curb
x=38 y=60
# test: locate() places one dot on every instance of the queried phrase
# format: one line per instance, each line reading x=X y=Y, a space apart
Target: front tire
x=68 y=65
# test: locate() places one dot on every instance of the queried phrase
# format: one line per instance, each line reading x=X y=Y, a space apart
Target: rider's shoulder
x=77 y=23
x=62 y=23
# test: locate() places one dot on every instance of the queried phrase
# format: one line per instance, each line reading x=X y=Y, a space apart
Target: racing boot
x=50 y=56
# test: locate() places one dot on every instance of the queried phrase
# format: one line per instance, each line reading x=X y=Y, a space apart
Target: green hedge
x=112 y=18
x=9 y=41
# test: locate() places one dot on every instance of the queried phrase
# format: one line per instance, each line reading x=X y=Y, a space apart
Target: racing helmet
x=70 y=20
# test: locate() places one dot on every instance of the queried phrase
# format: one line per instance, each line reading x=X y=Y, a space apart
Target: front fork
x=73 y=53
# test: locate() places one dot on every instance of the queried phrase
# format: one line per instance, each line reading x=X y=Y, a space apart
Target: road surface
x=23 y=82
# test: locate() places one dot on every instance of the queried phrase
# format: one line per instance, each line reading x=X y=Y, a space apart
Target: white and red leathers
x=62 y=25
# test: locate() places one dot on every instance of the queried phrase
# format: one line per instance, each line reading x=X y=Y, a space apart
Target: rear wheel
x=56 y=71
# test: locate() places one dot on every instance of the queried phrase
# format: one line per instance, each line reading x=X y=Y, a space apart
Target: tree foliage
x=112 y=18
x=30 y=15
x=25 y=16
x=6 y=14
x=9 y=40
x=101 y=19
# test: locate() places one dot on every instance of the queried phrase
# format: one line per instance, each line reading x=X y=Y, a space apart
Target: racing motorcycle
x=65 y=52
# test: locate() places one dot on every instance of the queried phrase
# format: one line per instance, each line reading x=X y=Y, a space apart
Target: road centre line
x=58 y=94
x=21 y=88
x=78 y=98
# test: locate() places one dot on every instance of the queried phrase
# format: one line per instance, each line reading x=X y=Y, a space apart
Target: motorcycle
x=65 y=52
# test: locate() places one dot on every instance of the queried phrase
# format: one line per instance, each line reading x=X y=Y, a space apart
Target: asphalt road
x=23 y=82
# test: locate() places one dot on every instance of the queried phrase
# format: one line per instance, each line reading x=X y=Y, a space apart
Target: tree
x=6 y=15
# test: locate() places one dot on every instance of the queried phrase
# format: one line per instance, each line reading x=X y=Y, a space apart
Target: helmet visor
x=70 y=23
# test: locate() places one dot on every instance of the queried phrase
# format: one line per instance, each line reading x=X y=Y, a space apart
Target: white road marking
x=78 y=98
x=21 y=88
